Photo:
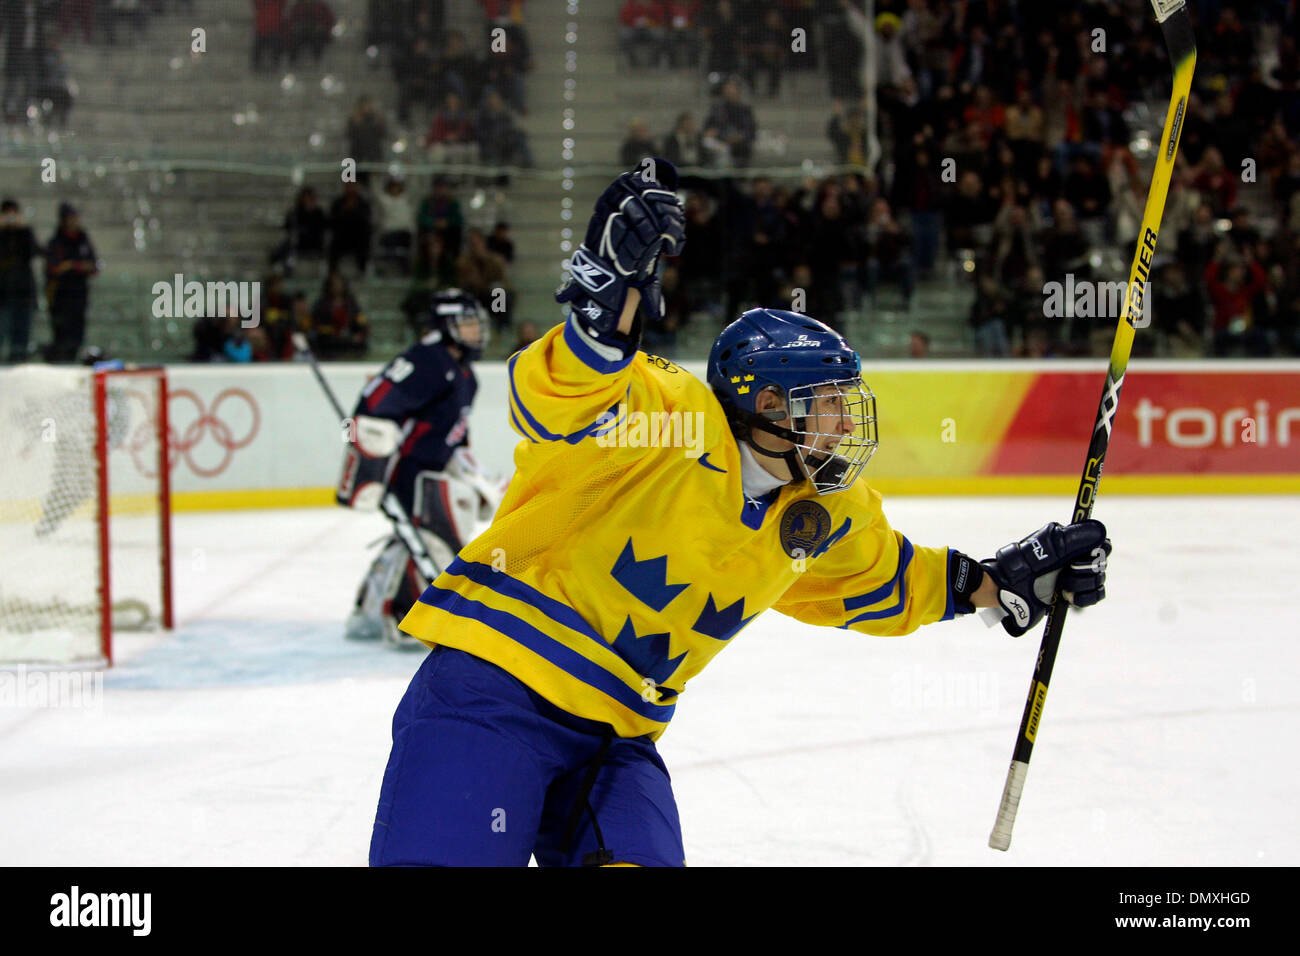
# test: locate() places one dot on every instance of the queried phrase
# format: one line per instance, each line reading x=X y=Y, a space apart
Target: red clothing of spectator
x=680 y=14
x=450 y=128
x=640 y=13
x=76 y=13
x=494 y=9
x=268 y=17
x=1220 y=188
x=1232 y=303
x=995 y=117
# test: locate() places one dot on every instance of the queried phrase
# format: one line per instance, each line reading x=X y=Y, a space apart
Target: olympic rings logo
x=141 y=443
x=212 y=424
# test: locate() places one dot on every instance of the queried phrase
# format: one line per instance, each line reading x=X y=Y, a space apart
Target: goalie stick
x=388 y=504
x=1176 y=25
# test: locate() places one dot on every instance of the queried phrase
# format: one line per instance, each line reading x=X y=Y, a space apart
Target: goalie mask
x=824 y=411
x=461 y=319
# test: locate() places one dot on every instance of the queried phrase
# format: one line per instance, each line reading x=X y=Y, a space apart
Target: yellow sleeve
x=875 y=581
x=566 y=386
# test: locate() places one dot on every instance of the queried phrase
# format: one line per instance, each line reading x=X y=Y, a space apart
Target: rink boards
x=264 y=436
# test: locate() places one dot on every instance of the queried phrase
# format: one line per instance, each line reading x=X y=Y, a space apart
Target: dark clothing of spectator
x=735 y=125
x=52 y=85
x=500 y=141
x=962 y=214
x=722 y=28
x=1089 y=193
x=304 y=235
x=843 y=56
x=24 y=26
x=366 y=132
x=209 y=339
x=338 y=327
x=441 y=215
x=416 y=72
x=18 y=248
x=1172 y=311
x=502 y=246
x=459 y=73
x=634 y=150
x=69 y=264
x=350 y=223
x=505 y=69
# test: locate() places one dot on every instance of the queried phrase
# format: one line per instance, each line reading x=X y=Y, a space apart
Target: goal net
x=84 y=510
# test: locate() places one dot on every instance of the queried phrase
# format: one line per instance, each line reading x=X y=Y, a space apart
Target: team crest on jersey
x=804 y=526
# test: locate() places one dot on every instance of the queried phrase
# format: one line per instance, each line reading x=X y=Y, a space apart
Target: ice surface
x=256 y=735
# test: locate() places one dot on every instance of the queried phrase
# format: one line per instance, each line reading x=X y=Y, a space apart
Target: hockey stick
x=389 y=505
x=1176 y=26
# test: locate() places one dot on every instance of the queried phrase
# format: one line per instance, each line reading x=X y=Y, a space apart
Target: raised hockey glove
x=1027 y=572
x=638 y=218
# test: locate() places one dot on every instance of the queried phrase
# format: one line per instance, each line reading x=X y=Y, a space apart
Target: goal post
x=85 y=510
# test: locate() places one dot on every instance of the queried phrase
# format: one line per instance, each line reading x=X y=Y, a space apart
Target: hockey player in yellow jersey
x=651 y=517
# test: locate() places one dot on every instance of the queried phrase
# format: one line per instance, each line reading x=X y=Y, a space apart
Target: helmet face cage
x=835 y=427
x=460 y=316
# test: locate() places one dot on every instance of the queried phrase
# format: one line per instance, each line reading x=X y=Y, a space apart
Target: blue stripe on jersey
x=601 y=422
x=578 y=344
x=544 y=645
x=882 y=592
x=518 y=402
x=599 y=427
x=512 y=587
x=519 y=426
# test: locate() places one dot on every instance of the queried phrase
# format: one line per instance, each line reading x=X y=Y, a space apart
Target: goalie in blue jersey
x=411 y=437
x=616 y=569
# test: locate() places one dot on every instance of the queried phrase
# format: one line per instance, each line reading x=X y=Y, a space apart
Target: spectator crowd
x=1016 y=143
x=425 y=242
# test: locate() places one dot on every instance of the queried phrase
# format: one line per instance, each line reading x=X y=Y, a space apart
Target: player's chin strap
x=601 y=856
x=744 y=424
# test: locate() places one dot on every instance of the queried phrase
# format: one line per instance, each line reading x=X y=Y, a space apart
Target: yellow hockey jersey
x=625 y=554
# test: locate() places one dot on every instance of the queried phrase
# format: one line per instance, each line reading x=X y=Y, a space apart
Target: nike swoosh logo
x=704 y=460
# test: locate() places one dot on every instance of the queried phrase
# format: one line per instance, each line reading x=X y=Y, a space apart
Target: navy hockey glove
x=637 y=219
x=1026 y=573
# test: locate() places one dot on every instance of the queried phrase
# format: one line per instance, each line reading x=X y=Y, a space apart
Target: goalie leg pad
x=392 y=585
x=446 y=507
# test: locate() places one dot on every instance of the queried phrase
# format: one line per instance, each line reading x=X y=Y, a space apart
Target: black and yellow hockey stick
x=1177 y=28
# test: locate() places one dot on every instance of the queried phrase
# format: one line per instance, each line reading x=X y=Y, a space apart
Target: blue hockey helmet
x=461 y=319
x=826 y=414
